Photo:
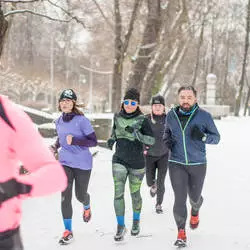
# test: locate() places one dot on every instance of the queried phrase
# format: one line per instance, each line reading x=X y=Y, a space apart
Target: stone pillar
x=211 y=89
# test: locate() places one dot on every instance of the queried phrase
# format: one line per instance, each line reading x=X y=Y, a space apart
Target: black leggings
x=11 y=240
x=186 y=180
x=81 y=178
x=161 y=164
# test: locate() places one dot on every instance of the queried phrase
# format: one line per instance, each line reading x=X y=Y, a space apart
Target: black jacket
x=159 y=149
x=129 y=146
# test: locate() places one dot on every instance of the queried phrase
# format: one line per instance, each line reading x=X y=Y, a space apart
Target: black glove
x=129 y=129
x=12 y=188
x=196 y=133
x=110 y=143
x=170 y=143
x=54 y=151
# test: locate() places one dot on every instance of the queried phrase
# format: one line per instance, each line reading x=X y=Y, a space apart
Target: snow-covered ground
x=224 y=215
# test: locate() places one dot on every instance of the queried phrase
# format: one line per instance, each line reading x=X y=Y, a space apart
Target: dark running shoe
x=67 y=238
x=153 y=190
x=181 y=239
x=158 y=209
x=121 y=231
x=135 y=230
x=86 y=215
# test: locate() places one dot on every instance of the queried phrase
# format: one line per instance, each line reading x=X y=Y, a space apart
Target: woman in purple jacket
x=75 y=136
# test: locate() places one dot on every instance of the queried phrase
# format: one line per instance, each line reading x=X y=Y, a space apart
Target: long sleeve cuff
x=86 y=141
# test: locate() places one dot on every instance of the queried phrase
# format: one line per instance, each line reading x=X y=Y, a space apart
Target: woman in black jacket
x=157 y=154
x=131 y=130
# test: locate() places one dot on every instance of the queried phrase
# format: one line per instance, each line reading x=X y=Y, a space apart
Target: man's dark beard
x=186 y=109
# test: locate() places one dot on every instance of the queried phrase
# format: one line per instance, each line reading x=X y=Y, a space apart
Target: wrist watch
x=204 y=138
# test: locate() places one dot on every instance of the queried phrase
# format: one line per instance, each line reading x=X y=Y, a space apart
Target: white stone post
x=211 y=89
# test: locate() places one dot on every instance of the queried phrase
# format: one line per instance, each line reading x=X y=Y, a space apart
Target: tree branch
x=131 y=26
x=68 y=13
x=118 y=29
x=179 y=16
x=13 y=12
x=96 y=71
x=103 y=15
x=19 y=1
x=176 y=66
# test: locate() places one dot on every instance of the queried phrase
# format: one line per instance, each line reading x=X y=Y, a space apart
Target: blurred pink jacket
x=20 y=141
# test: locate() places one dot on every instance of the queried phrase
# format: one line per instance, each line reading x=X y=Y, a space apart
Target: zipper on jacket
x=183 y=132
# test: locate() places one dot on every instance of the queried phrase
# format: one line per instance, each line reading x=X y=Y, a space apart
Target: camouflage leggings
x=135 y=176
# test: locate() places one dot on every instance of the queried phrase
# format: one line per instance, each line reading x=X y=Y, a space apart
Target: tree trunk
x=247 y=104
x=244 y=63
x=212 y=55
x=206 y=67
x=3 y=29
x=155 y=69
x=29 y=43
x=120 y=51
x=118 y=59
x=198 y=53
x=148 y=44
x=171 y=40
x=181 y=55
x=224 y=82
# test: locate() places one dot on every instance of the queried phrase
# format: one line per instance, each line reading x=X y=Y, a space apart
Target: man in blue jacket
x=187 y=129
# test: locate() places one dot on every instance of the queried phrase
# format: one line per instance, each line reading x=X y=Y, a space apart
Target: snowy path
x=224 y=215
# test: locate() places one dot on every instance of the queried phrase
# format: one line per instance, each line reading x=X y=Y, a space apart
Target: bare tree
x=246 y=106
x=198 y=52
x=160 y=45
x=224 y=81
x=3 y=28
x=121 y=46
x=180 y=55
x=4 y=22
x=148 y=44
x=244 y=62
x=172 y=38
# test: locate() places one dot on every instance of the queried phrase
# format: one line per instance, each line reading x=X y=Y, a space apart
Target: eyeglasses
x=132 y=103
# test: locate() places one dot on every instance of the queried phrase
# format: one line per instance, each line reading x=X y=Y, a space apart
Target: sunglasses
x=132 y=103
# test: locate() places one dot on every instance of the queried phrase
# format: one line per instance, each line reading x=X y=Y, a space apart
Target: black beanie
x=132 y=94
x=68 y=94
x=158 y=99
